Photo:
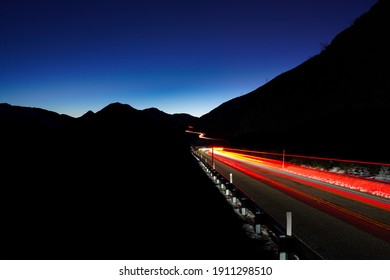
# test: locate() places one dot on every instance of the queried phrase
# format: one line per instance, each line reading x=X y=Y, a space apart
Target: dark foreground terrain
x=102 y=188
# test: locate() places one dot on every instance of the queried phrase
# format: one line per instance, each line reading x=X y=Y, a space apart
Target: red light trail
x=310 y=157
x=251 y=165
x=291 y=170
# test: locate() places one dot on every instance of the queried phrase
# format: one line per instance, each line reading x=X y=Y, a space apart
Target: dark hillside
x=336 y=103
x=110 y=185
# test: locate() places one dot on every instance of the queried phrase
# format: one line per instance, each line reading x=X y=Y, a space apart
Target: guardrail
x=289 y=245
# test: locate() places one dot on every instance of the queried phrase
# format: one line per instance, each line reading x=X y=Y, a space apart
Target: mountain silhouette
x=120 y=183
x=336 y=103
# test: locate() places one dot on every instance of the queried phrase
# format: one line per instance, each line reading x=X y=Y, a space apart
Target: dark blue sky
x=185 y=56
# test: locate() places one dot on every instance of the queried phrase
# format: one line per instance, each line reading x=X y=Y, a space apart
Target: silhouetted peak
x=365 y=30
x=118 y=111
x=5 y=105
x=118 y=107
x=156 y=112
x=30 y=112
x=185 y=115
x=88 y=115
x=176 y=120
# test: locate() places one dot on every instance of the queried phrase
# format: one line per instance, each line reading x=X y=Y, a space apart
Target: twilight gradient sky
x=181 y=56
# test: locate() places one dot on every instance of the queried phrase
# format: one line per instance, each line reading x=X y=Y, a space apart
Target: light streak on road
x=315 y=178
x=310 y=157
x=356 y=218
x=201 y=135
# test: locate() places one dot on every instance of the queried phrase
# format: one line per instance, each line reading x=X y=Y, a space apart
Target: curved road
x=338 y=224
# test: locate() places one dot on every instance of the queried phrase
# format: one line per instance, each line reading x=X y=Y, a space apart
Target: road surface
x=336 y=222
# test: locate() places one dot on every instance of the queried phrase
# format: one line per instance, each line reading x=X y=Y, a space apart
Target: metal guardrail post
x=234 y=195
x=259 y=216
x=289 y=223
x=285 y=246
x=286 y=241
x=244 y=205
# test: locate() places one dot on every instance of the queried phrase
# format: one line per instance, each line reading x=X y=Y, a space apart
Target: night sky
x=180 y=56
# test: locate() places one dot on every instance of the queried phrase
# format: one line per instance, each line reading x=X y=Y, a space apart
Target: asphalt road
x=336 y=227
